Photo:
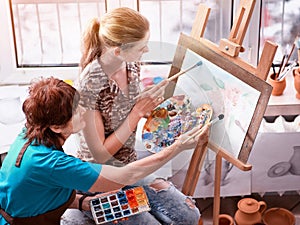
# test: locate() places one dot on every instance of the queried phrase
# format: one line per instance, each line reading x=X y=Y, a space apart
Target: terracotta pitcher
x=249 y=211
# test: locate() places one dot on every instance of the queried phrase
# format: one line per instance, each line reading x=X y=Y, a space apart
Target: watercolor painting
x=226 y=94
x=231 y=90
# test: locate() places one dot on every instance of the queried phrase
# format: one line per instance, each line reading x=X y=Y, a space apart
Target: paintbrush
x=280 y=67
x=184 y=71
x=176 y=75
x=220 y=117
x=273 y=67
x=288 y=58
x=286 y=70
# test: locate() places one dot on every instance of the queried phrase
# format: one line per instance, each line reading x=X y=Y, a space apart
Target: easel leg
x=218 y=172
x=193 y=172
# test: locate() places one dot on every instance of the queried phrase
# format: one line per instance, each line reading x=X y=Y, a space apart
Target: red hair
x=50 y=102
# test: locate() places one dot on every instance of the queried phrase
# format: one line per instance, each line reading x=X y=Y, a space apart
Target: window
x=280 y=24
x=46 y=33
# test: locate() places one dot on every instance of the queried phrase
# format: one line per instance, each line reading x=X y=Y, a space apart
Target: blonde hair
x=116 y=28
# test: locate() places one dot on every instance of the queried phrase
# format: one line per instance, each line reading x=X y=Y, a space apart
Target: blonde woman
x=109 y=84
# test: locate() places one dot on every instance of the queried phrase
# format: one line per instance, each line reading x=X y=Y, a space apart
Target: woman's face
x=77 y=122
x=135 y=52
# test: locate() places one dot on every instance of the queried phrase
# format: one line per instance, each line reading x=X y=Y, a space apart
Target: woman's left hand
x=151 y=97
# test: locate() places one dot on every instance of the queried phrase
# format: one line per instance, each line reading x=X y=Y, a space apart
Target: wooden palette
x=170 y=119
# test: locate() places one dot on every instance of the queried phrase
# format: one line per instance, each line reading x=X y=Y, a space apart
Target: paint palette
x=170 y=119
x=119 y=205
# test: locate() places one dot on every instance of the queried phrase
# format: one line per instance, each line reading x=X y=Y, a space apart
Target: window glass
x=281 y=24
x=47 y=32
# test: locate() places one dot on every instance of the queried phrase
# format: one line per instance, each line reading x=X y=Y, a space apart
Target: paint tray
x=119 y=205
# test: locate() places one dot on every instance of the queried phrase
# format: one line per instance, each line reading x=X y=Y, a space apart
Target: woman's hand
x=200 y=136
x=151 y=97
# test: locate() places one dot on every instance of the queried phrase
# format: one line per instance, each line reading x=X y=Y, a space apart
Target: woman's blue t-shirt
x=44 y=181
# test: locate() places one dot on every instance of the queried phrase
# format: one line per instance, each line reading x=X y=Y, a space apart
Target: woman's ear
x=56 y=129
x=117 y=51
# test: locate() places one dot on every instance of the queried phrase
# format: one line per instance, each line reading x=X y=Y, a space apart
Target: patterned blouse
x=98 y=92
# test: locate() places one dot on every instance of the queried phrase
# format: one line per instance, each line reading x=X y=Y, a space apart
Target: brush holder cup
x=278 y=85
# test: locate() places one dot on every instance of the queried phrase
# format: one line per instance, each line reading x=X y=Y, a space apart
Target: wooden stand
x=228 y=48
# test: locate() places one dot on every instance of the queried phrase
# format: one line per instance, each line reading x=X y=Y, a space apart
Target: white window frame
x=10 y=74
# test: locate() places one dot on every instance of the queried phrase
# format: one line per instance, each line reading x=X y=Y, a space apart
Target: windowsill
x=285 y=104
x=25 y=75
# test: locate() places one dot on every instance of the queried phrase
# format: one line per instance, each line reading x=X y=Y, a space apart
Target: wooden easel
x=228 y=48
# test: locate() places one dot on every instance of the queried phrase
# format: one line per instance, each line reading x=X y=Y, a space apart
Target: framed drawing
x=229 y=88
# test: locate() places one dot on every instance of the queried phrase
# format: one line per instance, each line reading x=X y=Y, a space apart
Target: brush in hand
x=218 y=118
x=184 y=71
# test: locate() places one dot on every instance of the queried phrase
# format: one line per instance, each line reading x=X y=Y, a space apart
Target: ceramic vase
x=278 y=85
x=294 y=161
x=296 y=75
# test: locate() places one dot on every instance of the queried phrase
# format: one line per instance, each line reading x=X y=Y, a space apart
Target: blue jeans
x=168 y=206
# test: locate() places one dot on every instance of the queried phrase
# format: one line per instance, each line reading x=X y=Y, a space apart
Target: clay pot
x=296 y=75
x=278 y=216
x=278 y=85
x=249 y=211
x=225 y=219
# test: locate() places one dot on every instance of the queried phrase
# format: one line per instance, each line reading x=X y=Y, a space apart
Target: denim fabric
x=168 y=206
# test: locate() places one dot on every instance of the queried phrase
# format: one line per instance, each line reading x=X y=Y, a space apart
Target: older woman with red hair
x=37 y=179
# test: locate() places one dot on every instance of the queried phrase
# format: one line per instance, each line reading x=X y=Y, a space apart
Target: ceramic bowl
x=278 y=216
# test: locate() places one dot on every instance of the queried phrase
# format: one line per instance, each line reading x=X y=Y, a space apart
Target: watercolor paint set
x=119 y=205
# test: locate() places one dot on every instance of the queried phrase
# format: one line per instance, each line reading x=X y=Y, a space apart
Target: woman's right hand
x=201 y=137
x=151 y=97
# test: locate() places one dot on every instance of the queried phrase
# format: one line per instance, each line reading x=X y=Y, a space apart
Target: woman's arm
x=112 y=178
x=103 y=148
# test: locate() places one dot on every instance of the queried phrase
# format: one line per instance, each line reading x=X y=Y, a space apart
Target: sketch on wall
x=276 y=168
